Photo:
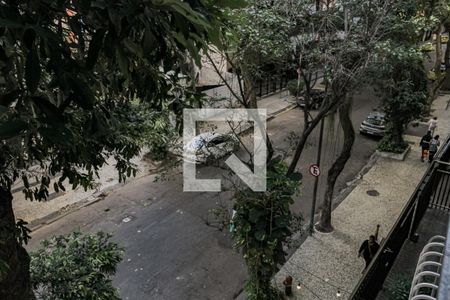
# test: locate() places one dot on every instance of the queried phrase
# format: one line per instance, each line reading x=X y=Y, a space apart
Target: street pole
x=316 y=179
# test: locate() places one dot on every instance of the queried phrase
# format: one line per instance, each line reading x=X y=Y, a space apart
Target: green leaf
x=9 y=23
x=26 y=184
x=186 y=11
x=231 y=3
x=7 y=99
x=254 y=215
x=58 y=135
x=3 y=110
x=29 y=37
x=12 y=128
x=32 y=70
x=56 y=187
x=260 y=235
x=48 y=109
x=83 y=94
x=123 y=62
x=297 y=176
x=94 y=48
x=133 y=47
x=149 y=40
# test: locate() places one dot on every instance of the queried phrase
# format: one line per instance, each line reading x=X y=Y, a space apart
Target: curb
x=391 y=155
x=282 y=111
x=57 y=215
x=350 y=186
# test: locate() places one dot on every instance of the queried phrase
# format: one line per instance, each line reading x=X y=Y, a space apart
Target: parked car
x=317 y=96
x=374 y=124
x=210 y=146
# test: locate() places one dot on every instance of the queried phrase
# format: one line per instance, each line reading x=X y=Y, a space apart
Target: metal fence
x=273 y=83
x=429 y=193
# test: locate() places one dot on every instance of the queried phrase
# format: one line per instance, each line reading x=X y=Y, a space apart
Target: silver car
x=374 y=124
x=210 y=146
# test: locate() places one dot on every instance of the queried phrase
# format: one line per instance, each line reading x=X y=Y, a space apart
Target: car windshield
x=218 y=140
x=375 y=120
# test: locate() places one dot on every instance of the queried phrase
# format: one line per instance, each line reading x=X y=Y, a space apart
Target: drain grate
x=373 y=193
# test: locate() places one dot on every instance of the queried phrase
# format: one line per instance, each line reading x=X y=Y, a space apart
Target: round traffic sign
x=314 y=170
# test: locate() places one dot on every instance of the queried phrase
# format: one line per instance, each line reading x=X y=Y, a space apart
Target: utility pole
x=316 y=179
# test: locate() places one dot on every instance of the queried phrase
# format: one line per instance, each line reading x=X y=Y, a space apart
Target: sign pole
x=316 y=178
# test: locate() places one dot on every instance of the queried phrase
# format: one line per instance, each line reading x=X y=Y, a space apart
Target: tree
x=255 y=43
x=403 y=85
x=76 y=266
x=340 y=40
x=433 y=17
x=372 y=23
x=68 y=73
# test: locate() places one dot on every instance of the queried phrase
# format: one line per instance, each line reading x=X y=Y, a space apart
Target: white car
x=374 y=124
x=210 y=146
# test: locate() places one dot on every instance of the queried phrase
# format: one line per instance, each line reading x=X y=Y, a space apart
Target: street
x=171 y=252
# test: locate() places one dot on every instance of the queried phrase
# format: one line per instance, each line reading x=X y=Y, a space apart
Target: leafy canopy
x=69 y=71
x=76 y=266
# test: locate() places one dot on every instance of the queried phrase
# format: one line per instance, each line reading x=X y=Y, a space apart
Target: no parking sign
x=314 y=170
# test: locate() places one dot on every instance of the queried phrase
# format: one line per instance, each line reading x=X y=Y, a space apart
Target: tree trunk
x=446 y=83
x=437 y=65
x=336 y=169
x=15 y=283
x=397 y=134
x=305 y=134
x=250 y=93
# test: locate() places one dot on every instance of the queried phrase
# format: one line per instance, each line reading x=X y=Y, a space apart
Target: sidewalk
x=59 y=204
x=328 y=263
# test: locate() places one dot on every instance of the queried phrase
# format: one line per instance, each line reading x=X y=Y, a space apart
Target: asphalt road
x=171 y=252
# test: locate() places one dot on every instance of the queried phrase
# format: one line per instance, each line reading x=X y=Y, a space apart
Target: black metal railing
x=274 y=83
x=405 y=226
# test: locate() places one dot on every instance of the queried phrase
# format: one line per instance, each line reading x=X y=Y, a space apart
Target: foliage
x=294 y=88
x=69 y=72
x=263 y=222
x=400 y=287
x=149 y=128
x=387 y=143
x=258 y=37
x=3 y=268
x=401 y=81
x=430 y=14
x=256 y=44
x=76 y=266
x=63 y=99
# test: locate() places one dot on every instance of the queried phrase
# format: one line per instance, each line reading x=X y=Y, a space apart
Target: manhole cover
x=127 y=219
x=373 y=193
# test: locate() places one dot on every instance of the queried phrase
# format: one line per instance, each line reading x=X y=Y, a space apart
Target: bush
x=294 y=88
x=387 y=144
x=76 y=266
